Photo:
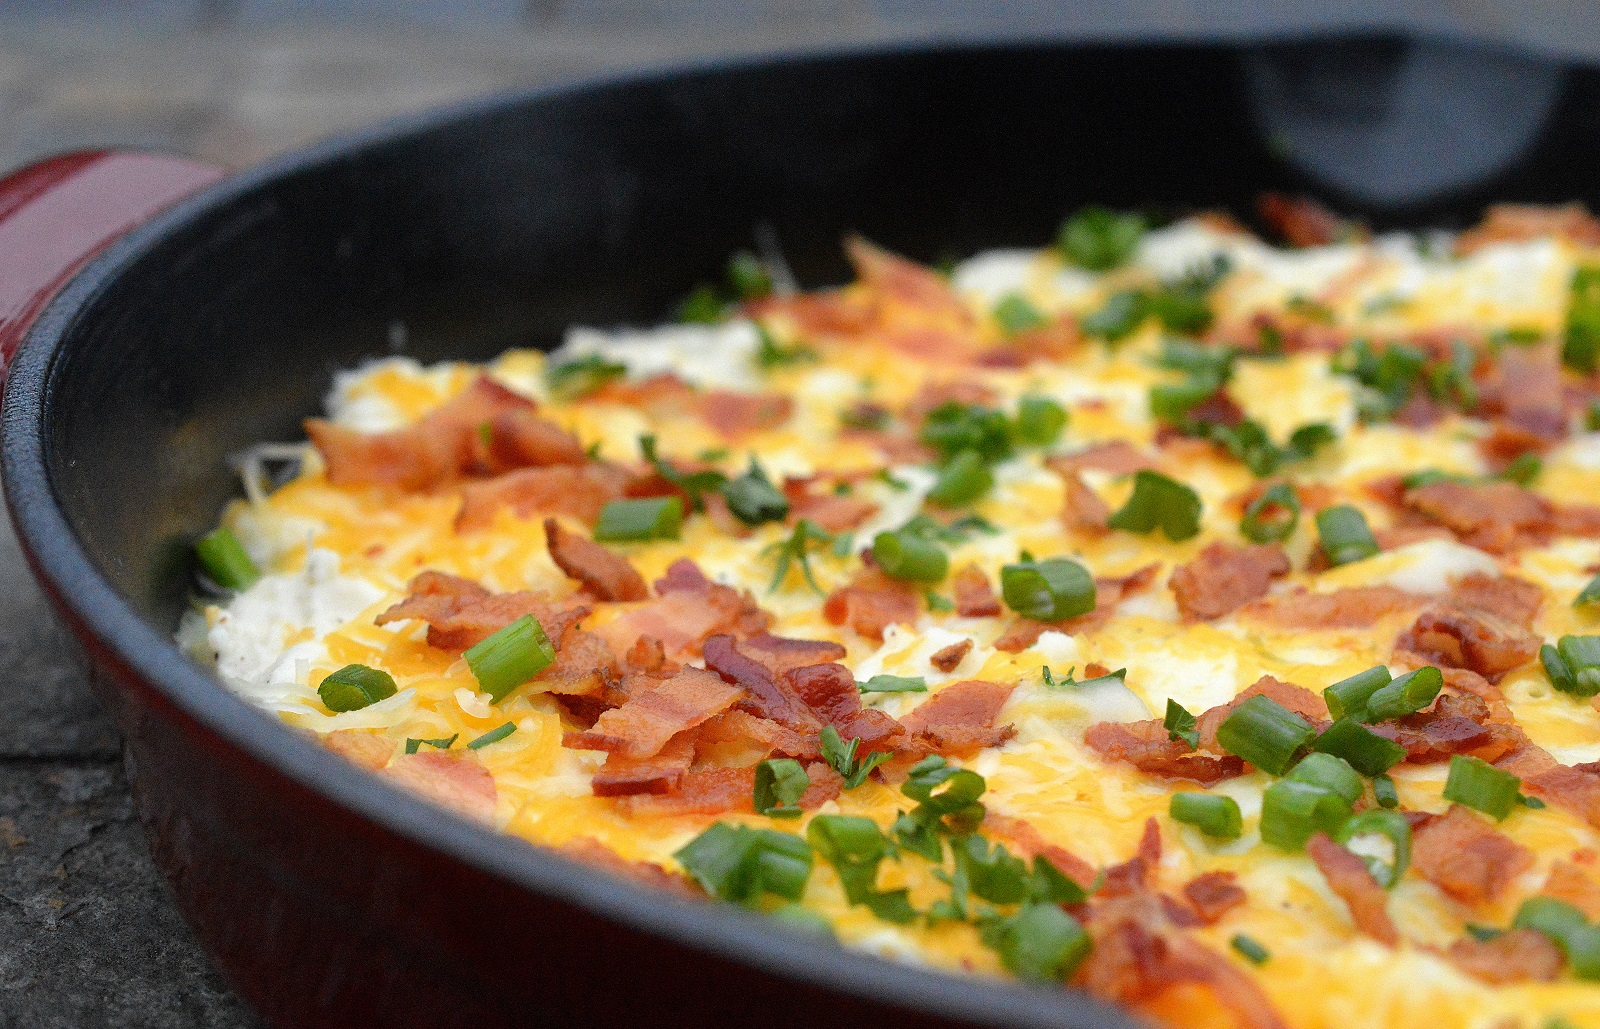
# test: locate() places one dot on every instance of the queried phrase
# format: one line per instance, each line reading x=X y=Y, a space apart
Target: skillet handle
x=59 y=213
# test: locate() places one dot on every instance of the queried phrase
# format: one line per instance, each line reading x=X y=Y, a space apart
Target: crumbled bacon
x=1570 y=883
x=767 y=695
x=823 y=314
x=1499 y=517
x=1505 y=596
x=716 y=791
x=1302 y=222
x=461 y=613
x=1471 y=639
x=959 y=719
x=452 y=779
x=1213 y=894
x=781 y=654
x=735 y=414
x=1348 y=877
x=1223 y=578
x=934 y=395
x=945 y=659
x=579 y=492
x=605 y=575
x=974 y=596
x=1133 y=876
x=1082 y=509
x=1109 y=592
x=592 y=852
x=1119 y=457
x=903 y=281
x=623 y=776
x=1024 y=838
x=1525 y=389
x=1146 y=746
x=368 y=748
x=583 y=665
x=737 y=738
x=1569 y=789
x=689 y=609
x=1518 y=223
x=663 y=394
x=871 y=603
x=1453 y=725
x=1462 y=855
x=642 y=726
x=832 y=511
x=1358 y=607
x=830 y=691
x=1517 y=956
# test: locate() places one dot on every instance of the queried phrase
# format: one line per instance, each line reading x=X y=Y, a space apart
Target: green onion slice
x=1264 y=733
x=510 y=657
x=1481 y=786
x=1159 y=502
x=1271 y=517
x=962 y=480
x=494 y=735
x=414 y=745
x=1252 y=951
x=354 y=687
x=1292 y=812
x=1590 y=594
x=1039 y=421
x=1180 y=724
x=1099 y=239
x=1348 y=697
x=582 y=376
x=738 y=863
x=224 y=559
x=1048 y=591
x=1365 y=751
x=1330 y=773
x=1344 y=535
x=1406 y=695
x=650 y=518
x=1214 y=814
x=1040 y=943
x=1015 y=314
x=883 y=683
x=910 y=554
x=752 y=498
x=1390 y=824
x=780 y=783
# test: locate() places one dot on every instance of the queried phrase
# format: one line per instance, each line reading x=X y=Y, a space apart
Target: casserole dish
x=327 y=898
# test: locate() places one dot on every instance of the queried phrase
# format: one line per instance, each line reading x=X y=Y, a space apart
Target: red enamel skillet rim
x=39 y=306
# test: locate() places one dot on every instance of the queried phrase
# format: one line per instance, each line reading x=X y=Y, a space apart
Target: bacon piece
x=1119 y=457
x=1213 y=894
x=1109 y=592
x=1516 y=956
x=871 y=603
x=689 y=609
x=737 y=738
x=959 y=719
x=947 y=658
x=716 y=791
x=1505 y=596
x=623 y=776
x=1358 y=607
x=1568 y=788
x=1146 y=746
x=444 y=445
x=642 y=726
x=1454 y=725
x=583 y=665
x=767 y=695
x=520 y=439
x=1525 y=387
x=560 y=490
x=1132 y=876
x=1499 y=517
x=1518 y=223
x=1348 y=877
x=974 y=596
x=1571 y=884
x=451 y=779
x=1463 y=856
x=781 y=654
x=832 y=313
x=592 y=852
x=1475 y=640
x=1302 y=222
x=369 y=748
x=831 y=693
x=663 y=394
x=834 y=513
x=905 y=282
x=1083 y=510
x=461 y=613
x=604 y=574
x=734 y=414
x=1029 y=842
x=1301 y=701
x=1223 y=578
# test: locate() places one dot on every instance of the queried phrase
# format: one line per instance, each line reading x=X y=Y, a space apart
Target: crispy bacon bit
x=1475 y=640
x=1145 y=746
x=831 y=511
x=1463 y=856
x=959 y=719
x=824 y=314
x=559 y=490
x=1133 y=875
x=947 y=658
x=445 y=445
x=1518 y=223
x=1082 y=509
x=734 y=414
x=623 y=776
x=830 y=691
x=1570 y=883
x=689 y=609
x=521 y=439
x=974 y=596
x=452 y=779
x=368 y=748
x=1347 y=876
x=583 y=665
x=1301 y=701
x=1358 y=607
x=1223 y=578
x=1454 y=725
x=592 y=852
x=662 y=394
x=1025 y=632
x=642 y=726
x=737 y=738
x=933 y=395
x=604 y=574
x=716 y=791
x=1568 y=788
x=903 y=281
x=1499 y=517
x=461 y=613
x=1505 y=596
x=767 y=695
x=1213 y=894
x=781 y=654
x=1302 y=222
x=1119 y=457
x=1517 y=956
x=871 y=603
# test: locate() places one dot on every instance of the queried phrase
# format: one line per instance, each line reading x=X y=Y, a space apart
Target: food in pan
x=1207 y=624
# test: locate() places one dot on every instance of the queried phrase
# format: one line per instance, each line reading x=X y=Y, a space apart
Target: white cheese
x=704 y=355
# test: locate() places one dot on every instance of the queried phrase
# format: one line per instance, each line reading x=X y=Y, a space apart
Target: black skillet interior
x=502 y=223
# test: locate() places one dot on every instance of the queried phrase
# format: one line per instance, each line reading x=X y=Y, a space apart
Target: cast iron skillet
x=328 y=898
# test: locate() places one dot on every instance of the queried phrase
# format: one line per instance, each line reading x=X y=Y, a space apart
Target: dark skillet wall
x=503 y=226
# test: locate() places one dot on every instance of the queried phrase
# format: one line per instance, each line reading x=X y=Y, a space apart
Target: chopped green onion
x=1249 y=443
x=1366 y=751
x=1590 y=594
x=953 y=427
x=802 y=920
x=1481 y=786
x=1180 y=724
x=1212 y=813
x=1348 y=697
x=353 y=687
x=855 y=846
x=1581 y=348
x=740 y=864
x=1344 y=535
x=1567 y=928
x=1181 y=306
x=1383 y=789
x=1049 y=885
x=908 y=553
x=1252 y=951
x=841 y=756
x=494 y=735
x=1159 y=501
x=510 y=657
x=1573 y=664
x=1172 y=401
x=1406 y=695
x=1451 y=381
x=414 y=745
x=1272 y=516
x=1014 y=314
x=1198 y=360
x=1039 y=421
x=224 y=559
x=1117 y=318
x=651 y=518
x=1523 y=469
x=1292 y=812
x=1048 y=591
x=938 y=604
x=944 y=794
x=1099 y=239
x=704 y=306
x=992 y=875
x=748 y=276
x=1591 y=416
x=1067 y=682
x=771 y=354
x=1305 y=441
x=780 y=783
x=694 y=484
x=578 y=378
x=963 y=479
x=753 y=498
x=1264 y=733
x=882 y=683
x=1391 y=824
x=797 y=547
x=1330 y=773
x=1040 y=943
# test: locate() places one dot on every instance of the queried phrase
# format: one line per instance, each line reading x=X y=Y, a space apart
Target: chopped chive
x=1348 y=697
x=1015 y=314
x=695 y=485
x=1383 y=789
x=855 y=846
x=1305 y=441
x=224 y=559
x=953 y=427
x=1330 y=773
x=882 y=683
x=1180 y=724
x=651 y=518
x=841 y=756
x=1271 y=517
x=1573 y=664
x=1040 y=943
x=908 y=553
x=414 y=745
x=748 y=276
x=1481 y=786
x=1591 y=416
x=1292 y=812
x=1067 y=682
x=1483 y=933
x=797 y=548
x=740 y=864
x=703 y=306
x=1214 y=814
x=510 y=657
x=570 y=380
x=1159 y=502
x=494 y=735
x=1252 y=951
x=1048 y=591
x=1581 y=348
x=963 y=479
x=354 y=687
x=771 y=354
x=1366 y=751
x=1567 y=928
x=1117 y=318
x=1100 y=239
x=1344 y=535
x=753 y=498
x=802 y=920
x=780 y=783
x=1172 y=401
x=1039 y=421
x=1590 y=594
x=1264 y=733
x=1405 y=695
x=1522 y=469
x=1390 y=824
x=937 y=603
